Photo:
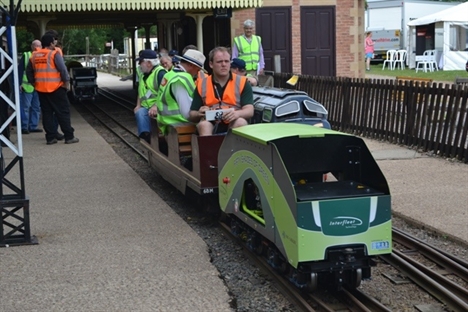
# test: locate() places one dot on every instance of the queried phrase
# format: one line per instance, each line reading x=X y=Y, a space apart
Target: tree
x=73 y=41
x=24 y=39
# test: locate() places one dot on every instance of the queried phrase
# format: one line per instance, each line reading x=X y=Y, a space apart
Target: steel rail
x=125 y=141
x=360 y=302
x=425 y=282
x=451 y=286
x=449 y=262
x=117 y=99
x=413 y=242
x=282 y=284
x=369 y=303
x=116 y=121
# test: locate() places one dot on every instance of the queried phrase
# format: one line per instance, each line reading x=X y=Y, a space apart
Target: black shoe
x=60 y=137
x=24 y=131
x=146 y=136
x=71 y=141
x=53 y=141
x=36 y=130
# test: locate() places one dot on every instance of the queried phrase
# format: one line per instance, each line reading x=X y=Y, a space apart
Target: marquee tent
x=451 y=27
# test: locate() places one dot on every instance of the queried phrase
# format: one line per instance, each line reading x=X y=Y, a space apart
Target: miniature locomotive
x=313 y=200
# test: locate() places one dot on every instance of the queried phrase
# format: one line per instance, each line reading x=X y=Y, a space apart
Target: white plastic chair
x=424 y=62
x=391 y=57
x=432 y=59
x=400 y=59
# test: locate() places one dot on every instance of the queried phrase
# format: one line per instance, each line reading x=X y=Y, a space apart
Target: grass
x=440 y=75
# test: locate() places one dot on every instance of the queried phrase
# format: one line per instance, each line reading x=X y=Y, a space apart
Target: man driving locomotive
x=221 y=90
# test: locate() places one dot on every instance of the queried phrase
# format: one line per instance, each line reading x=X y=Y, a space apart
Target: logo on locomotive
x=346 y=222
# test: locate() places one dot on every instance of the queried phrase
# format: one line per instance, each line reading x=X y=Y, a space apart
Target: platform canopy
x=127 y=5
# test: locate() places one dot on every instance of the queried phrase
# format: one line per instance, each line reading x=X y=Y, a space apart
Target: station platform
x=107 y=242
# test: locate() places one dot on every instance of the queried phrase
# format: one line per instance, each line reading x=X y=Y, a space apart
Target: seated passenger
x=149 y=82
x=201 y=73
x=173 y=55
x=221 y=90
x=176 y=91
x=238 y=67
x=166 y=62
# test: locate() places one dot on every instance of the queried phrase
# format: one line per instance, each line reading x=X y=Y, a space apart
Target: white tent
x=451 y=27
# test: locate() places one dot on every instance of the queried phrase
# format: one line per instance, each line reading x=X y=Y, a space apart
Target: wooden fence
x=429 y=117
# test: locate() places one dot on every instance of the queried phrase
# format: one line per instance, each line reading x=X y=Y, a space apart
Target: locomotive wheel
x=284 y=267
x=254 y=242
x=259 y=249
x=271 y=256
x=210 y=207
x=356 y=278
x=312 y=284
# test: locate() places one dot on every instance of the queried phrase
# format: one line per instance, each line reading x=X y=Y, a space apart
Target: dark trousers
x=56 y=102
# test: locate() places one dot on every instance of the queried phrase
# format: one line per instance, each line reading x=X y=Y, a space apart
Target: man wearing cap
x=248 y=47
x=49 y=75
x=29 y=99
x=173 y=54
x=238 y=68
x=148 y=88
x=175 y=96
x=222 y=89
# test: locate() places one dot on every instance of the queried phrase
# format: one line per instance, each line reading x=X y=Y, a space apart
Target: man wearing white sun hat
x=176 y=90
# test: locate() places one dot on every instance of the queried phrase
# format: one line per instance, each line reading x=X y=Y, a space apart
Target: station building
x=320 y=38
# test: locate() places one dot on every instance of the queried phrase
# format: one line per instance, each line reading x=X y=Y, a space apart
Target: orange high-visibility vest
x=47 y=77
x=231 y=96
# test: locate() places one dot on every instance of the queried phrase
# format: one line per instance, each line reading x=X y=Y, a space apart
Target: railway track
x=431 y=268
x=414 y=258
x=346 y=300
x=116 y=114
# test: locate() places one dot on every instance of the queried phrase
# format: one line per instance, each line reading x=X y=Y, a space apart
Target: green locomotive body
x=314 y=200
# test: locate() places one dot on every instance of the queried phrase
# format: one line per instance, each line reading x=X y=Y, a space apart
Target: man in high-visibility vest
x=49 y=75
x=150 y=79
x=55 y=34
x=223 y=90
x=177 y=86
x=248 y=47
x=29 y=99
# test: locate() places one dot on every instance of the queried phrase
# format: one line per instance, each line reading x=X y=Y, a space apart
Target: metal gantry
x=14 y=205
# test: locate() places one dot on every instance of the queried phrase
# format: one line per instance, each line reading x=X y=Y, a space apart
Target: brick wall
x=349 y=32
x=296 y=36
x=238 y=19
x=347 y=38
